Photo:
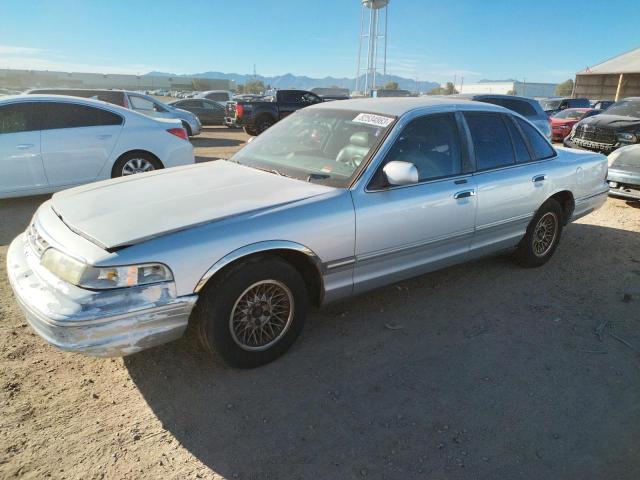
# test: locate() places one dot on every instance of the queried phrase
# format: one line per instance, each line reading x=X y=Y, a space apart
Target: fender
x=259 y=247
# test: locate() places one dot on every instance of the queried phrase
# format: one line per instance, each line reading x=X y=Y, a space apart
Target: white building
x=510 y=87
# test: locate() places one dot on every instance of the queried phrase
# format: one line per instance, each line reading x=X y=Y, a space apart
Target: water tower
x=374 y=37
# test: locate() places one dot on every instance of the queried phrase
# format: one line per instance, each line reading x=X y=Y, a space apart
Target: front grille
x=595 y=134
x=37 y=243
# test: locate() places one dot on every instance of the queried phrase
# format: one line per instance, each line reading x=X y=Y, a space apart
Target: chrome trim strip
x=499 y=223
x=411 y=246
x=257 y=248
x=340 y=263
x=584 y=199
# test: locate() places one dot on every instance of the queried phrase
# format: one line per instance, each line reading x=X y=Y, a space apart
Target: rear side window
x=70 y=115
x=114 y=97
x=18 y=117
x=519 y=144
x=218 y=96
x=539 y=145
x=491 y=140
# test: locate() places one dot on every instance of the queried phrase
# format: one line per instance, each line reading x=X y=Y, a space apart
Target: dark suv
x=527 y=107
x=552 y=106
x=617 y=126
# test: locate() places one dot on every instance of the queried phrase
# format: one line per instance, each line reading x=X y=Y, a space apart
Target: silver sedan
x=335 y=200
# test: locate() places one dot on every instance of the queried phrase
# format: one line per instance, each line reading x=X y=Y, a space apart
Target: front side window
x=432 y=144
x=539 y=145
x=491 y=141
x=218 y=97
x=324 y=146
x=71 y=115
x=18 y=117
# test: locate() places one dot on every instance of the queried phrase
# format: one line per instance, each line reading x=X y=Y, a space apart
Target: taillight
x=179 y=132
x=239 y=111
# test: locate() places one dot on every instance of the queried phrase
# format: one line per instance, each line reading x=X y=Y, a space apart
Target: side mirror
x=400 y=173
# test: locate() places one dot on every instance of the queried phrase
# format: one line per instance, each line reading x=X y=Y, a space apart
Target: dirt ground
x=481 y=371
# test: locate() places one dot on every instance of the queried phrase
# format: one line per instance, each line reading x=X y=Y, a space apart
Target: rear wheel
x=542 y=237
x=253 y=313
x=263 y=123
x=250 y=131
x=135 y=162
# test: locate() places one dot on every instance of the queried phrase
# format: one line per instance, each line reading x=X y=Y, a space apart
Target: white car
x=52 y=142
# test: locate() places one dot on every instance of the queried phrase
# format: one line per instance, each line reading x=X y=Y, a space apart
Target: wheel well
x=566 y=201
x=187 y=127
x=134 y=152
x=265 y=115
x=299 y=260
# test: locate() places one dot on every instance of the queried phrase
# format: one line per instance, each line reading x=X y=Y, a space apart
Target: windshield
x=318 y=145
x=550 y=104
x=570 y=114
x=625 y=108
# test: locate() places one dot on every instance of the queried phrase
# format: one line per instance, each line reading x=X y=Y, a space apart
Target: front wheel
x=252 y=313
x=542 y=237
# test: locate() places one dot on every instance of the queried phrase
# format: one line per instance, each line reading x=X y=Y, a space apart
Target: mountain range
x=306 y=83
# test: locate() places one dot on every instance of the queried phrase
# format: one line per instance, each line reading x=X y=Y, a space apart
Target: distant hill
x=306 y=83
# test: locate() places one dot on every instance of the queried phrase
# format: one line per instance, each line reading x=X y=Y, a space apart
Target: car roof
x=398 y=106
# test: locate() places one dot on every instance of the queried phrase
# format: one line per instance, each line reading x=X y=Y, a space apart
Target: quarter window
x=70 y=115
x=539 y=145
x=491 y=142
x=18 y=117
x=432 y=144
x=519 y=144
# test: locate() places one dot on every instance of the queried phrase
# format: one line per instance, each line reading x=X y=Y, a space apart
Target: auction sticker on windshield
x=371 y=119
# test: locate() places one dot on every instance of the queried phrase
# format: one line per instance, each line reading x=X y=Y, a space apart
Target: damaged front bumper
x=106 y=323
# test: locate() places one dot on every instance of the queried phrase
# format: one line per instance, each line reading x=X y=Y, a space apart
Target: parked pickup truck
x=338 y=199
x=258 y=115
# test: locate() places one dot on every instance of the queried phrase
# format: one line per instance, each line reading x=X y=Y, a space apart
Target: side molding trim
x=258 y=248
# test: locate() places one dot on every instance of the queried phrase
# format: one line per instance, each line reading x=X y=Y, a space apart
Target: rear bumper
x=107 y=323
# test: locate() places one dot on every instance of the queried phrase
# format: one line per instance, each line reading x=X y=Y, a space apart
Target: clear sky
x=540 y=40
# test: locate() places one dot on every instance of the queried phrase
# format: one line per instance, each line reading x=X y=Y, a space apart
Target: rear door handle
x=24 y=146
x=464 y=194
x=539 y=178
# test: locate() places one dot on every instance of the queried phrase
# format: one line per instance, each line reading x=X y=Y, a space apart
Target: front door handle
x=464 y=194
x=539 y=178
x=24 y=146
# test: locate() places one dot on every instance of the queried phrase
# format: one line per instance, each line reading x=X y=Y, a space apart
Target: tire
x=250 y=131
x=263 y=123
x=542 y=237
x=187 y=127
x=233 y=334
x=135 y=162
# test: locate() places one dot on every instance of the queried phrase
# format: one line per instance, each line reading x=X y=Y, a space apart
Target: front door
x=404 y=231
x=21 y=166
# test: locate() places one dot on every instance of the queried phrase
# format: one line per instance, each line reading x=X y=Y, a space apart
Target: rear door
x=512 y=182
x=77 y=141
x=21 y=165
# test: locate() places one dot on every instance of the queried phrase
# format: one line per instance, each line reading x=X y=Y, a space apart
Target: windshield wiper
x=317 y=176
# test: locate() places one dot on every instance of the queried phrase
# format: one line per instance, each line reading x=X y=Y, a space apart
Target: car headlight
x=627 y=137
x=98 y=278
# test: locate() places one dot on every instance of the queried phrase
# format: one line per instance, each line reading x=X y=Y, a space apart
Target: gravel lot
x=481 y=371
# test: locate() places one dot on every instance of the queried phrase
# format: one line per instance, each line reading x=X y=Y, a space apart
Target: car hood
x=617 y=122
x=128 y=210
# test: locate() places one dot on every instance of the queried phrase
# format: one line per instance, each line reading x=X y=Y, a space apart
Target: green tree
x=511 y=92
x=391 y=86
x=565 y=88
x=254 y=86
x=448 y=89
x=240 y=88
